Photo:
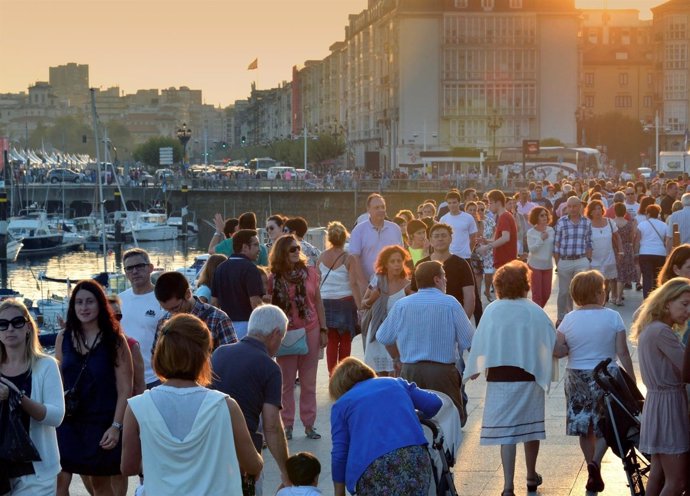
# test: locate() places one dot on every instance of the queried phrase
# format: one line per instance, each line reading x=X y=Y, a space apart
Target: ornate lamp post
x=184 y=134
x=494 y=123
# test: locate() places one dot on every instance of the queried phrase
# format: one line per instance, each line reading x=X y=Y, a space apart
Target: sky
x=202 y=44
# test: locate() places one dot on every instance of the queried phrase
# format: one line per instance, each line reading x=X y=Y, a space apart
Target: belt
x=572 y=257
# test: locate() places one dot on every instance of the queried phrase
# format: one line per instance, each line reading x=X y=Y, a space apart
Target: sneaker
x=595 y=483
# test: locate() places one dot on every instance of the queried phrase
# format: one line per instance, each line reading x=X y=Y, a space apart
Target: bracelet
x=218 y=234
x=117 y=425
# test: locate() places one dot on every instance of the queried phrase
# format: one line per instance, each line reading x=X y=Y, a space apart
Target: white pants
x=566 y=271
x=30 y=485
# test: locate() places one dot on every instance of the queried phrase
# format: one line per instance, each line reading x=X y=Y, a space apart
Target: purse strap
x=331 y=268
x=657 y=232
x=86 y=361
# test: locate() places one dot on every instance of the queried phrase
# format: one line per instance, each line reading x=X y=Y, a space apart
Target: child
x=303 y=471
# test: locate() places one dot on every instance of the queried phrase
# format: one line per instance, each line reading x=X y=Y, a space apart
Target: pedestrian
x=30 y=379
x=225 y=229
x=463 y=224
x=606 y=245
x=664 y=423
x=514 y=344
x=572 y=250
x=426 y=332
x=340 y=294
x=488 y=227
x=140 y=309
x=96 y=367
x=625 y=257
x=205 y=281
x=390 y=284
x=540 y=239
x=247 y=372
x=294 y=287
x=274 y=229
x=398 y=462
x=188 y=439
x=175 y=297
x=237 y=287
x=587 y=336
x=677 y=265
x=303 y=471
x=651 y=248
x=419 y=244
x=369 y=237
x=298 y=227
x=682 y=220
x=505 y=241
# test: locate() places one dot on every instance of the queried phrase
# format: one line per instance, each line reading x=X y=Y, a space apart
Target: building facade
x=70 y=82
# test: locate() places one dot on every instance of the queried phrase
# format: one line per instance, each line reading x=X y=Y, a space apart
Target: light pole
x=656 y=126
x=494 y=123
x=184 y=134
x=582 y=115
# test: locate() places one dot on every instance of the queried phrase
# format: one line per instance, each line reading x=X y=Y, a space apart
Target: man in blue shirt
x=426 y=332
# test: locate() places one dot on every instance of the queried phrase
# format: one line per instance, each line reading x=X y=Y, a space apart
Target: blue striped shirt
x=573 y=239
x=427 y=326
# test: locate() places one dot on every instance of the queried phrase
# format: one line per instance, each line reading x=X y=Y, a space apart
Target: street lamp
x=494 y=123
x=184 y=134
x=582 y=115
x=648 y=127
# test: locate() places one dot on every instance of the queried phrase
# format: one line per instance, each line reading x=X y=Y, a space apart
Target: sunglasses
x=134 y=267
x=118 y=316
x=295 y=248
x=17 y=323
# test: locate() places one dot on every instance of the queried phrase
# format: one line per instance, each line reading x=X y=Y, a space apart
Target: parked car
x=63 y=175
x=164 y=173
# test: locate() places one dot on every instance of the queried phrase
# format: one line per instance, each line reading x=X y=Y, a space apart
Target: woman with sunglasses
x=294 y=288
x=32 y=378
x=274 y=229
x=96 y=369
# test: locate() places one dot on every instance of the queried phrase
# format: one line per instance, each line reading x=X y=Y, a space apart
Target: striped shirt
x=573 y=239
x=427 y=326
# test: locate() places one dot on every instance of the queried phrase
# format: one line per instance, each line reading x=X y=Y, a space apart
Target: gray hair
x=567 y=188
x=618 y=197
x=685 y=199
x=265 y=319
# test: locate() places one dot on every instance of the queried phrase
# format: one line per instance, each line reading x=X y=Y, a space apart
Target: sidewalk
x=478 y=470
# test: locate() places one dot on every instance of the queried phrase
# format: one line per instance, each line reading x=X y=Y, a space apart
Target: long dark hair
x=278 y=259
x=107 y=323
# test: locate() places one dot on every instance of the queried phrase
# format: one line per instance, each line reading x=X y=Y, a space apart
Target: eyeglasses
x=295 y=248
x=139 y=266
x=175 y=309
x=17 y=323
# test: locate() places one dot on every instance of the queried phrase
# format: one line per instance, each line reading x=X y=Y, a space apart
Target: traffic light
x=244 y=140
x=223 y=145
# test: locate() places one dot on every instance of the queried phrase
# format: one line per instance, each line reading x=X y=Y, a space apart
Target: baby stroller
x=623 y=406
x=443 y=433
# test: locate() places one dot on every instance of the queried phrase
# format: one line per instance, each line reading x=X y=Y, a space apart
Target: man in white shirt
x=140 y=308
x=464 y=227
x=631 y=206
x=682 y=219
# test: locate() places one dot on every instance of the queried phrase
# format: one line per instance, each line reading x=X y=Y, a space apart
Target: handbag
x=15 y=444
x=294 y=343
x=72 y=399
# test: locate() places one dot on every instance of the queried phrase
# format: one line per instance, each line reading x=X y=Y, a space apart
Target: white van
x=279 y=172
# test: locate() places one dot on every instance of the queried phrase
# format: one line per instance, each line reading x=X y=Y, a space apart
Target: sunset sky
x=203 y=44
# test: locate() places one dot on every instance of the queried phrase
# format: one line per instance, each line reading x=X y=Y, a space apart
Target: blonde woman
x=665 y=425
x=32 y=379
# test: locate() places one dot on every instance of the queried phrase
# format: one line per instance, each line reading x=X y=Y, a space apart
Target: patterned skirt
x=513 y=413
x=402 y=472
x=585 y=402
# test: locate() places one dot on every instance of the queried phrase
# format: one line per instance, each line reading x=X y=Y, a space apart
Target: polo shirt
x=366 y=241
x=234 y=282
x=251 y=377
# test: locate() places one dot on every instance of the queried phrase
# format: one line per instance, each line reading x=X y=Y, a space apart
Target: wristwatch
x=117 y=425
x=324 y=330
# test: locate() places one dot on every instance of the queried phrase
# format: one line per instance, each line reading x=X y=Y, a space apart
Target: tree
x=66 y=134
x=623 y=136
x=149 y=151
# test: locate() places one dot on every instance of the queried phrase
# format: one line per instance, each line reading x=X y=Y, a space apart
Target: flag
x=253 y=65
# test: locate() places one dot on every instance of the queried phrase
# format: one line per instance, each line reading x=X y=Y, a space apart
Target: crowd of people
x=185 y=387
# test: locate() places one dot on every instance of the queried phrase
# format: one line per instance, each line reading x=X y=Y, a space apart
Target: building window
x=515 y=4
x=589 y=101
x=647 y=101
x=623 y=101
x=461 y=4
x=488 y=4
x=623 y=79
x=589 y=79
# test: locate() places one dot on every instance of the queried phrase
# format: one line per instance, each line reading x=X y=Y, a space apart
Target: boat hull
x=163 y=233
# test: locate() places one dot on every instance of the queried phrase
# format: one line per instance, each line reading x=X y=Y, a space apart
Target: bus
x=586 y=159
x=260 y=166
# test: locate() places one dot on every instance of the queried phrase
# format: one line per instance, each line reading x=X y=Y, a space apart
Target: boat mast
x=101 y=201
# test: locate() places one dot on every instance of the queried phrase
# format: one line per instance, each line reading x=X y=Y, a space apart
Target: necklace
x=86 y=342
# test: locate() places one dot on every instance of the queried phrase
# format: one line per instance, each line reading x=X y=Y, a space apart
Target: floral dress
x=626 y=262
x=489 y=228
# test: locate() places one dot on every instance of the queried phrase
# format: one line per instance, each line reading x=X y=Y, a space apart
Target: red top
x=508 y=251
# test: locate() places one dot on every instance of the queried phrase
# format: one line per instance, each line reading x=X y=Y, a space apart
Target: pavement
x=478 y=469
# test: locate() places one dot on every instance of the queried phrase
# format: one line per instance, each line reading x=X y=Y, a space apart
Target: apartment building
x=617 y=65
x=70 y=83
x=671 y=28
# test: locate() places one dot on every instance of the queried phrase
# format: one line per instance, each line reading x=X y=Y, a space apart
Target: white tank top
x=337 y=285
x=203 y=462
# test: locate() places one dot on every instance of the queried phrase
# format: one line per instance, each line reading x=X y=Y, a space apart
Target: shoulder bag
x=294 y=343
x=657 y=232
x=72 y=400
x=331 y=268
x=15 y=443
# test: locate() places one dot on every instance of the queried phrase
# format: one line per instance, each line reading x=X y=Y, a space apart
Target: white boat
x=35 y=233
x=14 y=246
x=152 y=227
x=176 y=222
x=191 y=273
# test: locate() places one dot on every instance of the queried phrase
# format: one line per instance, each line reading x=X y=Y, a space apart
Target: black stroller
x=623 y=403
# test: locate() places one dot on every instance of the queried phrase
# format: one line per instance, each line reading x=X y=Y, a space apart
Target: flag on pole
x=254 y=65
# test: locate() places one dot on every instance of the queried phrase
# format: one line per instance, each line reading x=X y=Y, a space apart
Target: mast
x=101 y=201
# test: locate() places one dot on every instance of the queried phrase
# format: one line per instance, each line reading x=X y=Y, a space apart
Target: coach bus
x=585 y=159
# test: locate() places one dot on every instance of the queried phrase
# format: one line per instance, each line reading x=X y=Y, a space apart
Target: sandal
x=312 y=434
x=533 y=484
x=288 y=433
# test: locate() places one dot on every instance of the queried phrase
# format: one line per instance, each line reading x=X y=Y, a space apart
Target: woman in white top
x=339 y=294
x=651 y=248
x=606 y=244
x=189 y=439
x=587 y=336
x=31 y=380
x=540 y=258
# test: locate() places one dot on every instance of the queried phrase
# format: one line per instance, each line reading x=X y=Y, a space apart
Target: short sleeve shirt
x=507 y=251
x=251 y=377
x=463 y=226
x=591 y=336
x=234 y=282
x=366 y=242
x=458 y=274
